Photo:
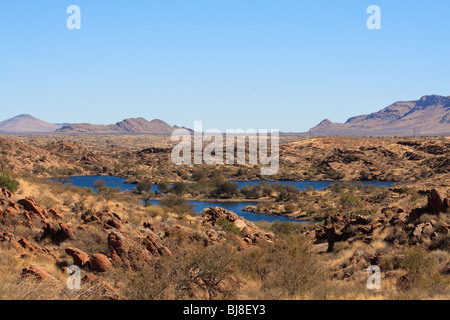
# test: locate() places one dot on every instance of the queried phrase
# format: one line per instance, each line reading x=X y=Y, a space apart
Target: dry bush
x=91 y=241
x=286 y=269
x=190 y=273
x=154 y=211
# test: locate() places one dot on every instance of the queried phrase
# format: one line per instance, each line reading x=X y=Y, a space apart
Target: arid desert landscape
x=216 y=159
x=147 y=244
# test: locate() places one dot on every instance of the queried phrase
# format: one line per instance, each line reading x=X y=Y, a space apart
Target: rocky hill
x=428 y=116
x=26 y=123
x=127 y=126
x=105 y=245
x=129 y=251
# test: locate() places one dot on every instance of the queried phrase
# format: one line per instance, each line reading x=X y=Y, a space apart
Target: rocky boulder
x=211 y=215
x=154 y=248
x=100 y=263
x=117 y=244
x=38 y=273
x=80 y=258
x=58 y=232
x=5 y=193
x=343 y=228
x=29 y=205
x=437 y=203
x=251 y=234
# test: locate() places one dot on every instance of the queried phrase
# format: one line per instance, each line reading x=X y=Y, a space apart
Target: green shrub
x=419 y=265
x=228 y=226
x=177 y=205
x=334 y=174
x=179 y=188
x=349 y=201
x=286 y=228
x=144 y=187
x=290 y=208
x=163 y=186
x=154 y=211
x=9 y=183
x=225 y=190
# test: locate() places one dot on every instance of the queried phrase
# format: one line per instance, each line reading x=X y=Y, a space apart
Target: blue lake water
x=236 y=207
x=88 y=182
x=112 y=182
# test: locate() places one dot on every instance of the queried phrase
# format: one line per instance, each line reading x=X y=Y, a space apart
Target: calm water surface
x=88 y=182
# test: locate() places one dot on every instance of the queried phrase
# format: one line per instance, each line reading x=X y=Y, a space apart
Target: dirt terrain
x=147 y=158
x=129 y=251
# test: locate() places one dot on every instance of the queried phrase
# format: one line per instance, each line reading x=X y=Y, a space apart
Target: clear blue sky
x=284 y=64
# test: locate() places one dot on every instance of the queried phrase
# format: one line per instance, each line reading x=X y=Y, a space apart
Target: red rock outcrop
x=117 y=244
x=106 y=219
x=5 y=193
x=250 y=233
x=343 y=228
x=58 y=232
x=80 y=258
x=154 y=248
x=29 y=205
x=437 y=203
x=211 y=215
x=37 y=272
x=100 y=263
x=151 y=226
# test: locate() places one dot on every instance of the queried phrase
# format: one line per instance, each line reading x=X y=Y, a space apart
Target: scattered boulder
x=5 y=193
x=342 y=228
x=151 y=226
x=211 y=215
x=100 y=263
x=106 y=219
x=38 y=273
x=58 y=232
x=29 y=205
x=55 y=214
x=401 y=217
x=250 y=233
x=13 y=205
x=113 y=223
x=365 y=229
x=117 y=244
x=80 y=258
x=437 y=203
x=27 y=245
x=10 y=239
x=154 y=248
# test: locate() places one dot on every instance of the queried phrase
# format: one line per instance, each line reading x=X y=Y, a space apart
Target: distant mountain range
x=25 y=123
x=127 y=126
x=28 y=124
x=428 y=116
